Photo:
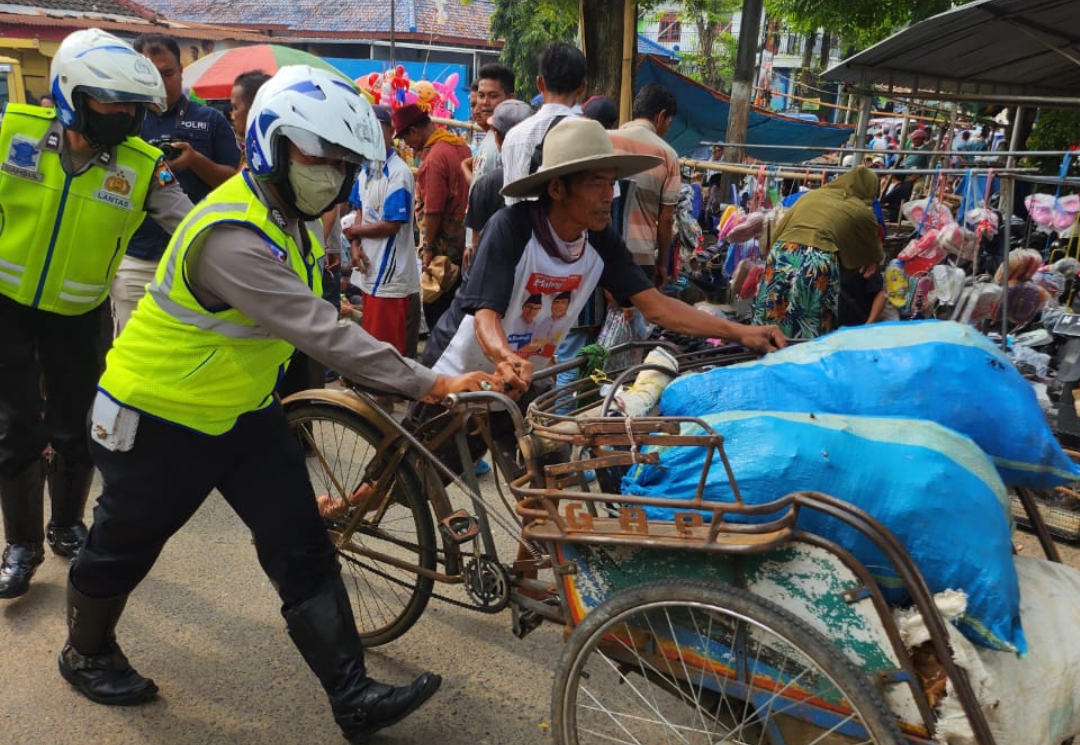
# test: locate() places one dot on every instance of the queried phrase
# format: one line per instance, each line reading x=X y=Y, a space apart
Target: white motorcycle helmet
x=321 y=114
x=98 y=64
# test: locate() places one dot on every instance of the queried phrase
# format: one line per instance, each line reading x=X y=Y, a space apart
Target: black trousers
x=49 y=369
x=154 y=488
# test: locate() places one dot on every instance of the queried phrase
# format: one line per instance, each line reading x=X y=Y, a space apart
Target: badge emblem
x=22 y=159
x=116 y=188
x=23 y=155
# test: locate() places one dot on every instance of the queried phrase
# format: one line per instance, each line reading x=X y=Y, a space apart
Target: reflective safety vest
x=62 y=237
x=181 y=362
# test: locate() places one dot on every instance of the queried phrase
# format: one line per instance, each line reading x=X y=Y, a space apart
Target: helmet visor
x=312 y=145
x=106 y=95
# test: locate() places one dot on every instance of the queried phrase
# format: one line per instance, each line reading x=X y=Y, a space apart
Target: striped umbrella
x=211 y=77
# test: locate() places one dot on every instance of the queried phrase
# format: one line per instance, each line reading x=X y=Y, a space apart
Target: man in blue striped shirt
x=383 y=247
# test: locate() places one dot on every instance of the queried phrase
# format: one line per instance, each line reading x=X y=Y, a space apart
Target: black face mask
x=107 y=130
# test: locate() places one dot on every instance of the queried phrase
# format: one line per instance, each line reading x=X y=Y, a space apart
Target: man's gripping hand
x=514 y=375
x=763 y=338
x=447 y=384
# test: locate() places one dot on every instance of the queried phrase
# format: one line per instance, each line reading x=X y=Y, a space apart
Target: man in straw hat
x=560 y=243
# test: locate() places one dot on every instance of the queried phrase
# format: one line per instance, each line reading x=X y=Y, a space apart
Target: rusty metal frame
x=555 y=515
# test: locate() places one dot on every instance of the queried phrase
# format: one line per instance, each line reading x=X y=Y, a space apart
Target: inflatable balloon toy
x=400 y=84
x=367 y=85
x=447 y=93
x=427 y=98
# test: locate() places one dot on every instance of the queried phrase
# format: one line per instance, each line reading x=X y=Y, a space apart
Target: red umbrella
x=212 y=76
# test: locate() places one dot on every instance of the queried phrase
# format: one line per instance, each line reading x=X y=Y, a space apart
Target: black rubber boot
x=69 y=487
x=21 y=498
x=323 y=629
x=92 y=661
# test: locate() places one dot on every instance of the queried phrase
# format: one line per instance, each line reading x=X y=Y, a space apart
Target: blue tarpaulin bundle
x=936 y=370
x=933 y=488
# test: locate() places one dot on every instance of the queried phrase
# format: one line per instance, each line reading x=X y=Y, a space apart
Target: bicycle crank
x=487 y=584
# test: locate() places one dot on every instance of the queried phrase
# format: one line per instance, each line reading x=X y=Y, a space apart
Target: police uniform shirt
x=166 y=203
x=237 y=268
x=208 y=132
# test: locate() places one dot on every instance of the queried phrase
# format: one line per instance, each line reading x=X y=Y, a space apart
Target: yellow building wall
x=34 y=55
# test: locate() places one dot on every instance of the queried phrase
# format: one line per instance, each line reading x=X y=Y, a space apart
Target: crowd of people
x=215 y=295
x=176 y=336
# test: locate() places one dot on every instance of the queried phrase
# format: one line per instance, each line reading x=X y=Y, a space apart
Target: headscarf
x=838 y=217
x=858 y=183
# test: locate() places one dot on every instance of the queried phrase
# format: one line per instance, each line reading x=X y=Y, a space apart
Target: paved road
x=206 y=626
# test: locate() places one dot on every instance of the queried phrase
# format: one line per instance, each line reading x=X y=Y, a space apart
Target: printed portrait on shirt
x=542 y=312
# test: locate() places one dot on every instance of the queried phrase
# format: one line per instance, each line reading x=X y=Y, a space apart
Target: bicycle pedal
x=523 y=622
x=460 y=527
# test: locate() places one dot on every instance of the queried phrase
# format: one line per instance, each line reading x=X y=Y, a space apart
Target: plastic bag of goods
x=933 y=488
x=948 y=283
x=983 y=216
x=920 y=254
x=747 y=229
x=1023 y=301
x=1023 y=263
x=942 y=371
x=932 y=215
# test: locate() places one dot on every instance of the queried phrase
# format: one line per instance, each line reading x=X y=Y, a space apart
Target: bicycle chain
x=449 y=600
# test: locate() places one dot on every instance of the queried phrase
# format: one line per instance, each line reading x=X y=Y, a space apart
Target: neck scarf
x=554 y=246
x=443 y=135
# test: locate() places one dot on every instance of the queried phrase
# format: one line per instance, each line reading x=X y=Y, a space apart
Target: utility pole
x=742 y=87
x=393 y=20
x=629 y=53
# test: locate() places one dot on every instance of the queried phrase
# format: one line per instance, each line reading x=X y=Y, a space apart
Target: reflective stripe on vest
x=202 y=369
x=46 y=259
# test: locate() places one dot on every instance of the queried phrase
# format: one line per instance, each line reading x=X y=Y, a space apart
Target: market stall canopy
x=703 y=115
x=645 y=45
x=212 y=76
x=987 y=47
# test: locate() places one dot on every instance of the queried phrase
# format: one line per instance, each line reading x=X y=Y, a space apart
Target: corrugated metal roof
x=1013 y=47
x=435 y=19
x=130 y=25
x=105 y=7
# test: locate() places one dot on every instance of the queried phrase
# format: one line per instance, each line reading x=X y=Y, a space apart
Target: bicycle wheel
x=690 y=662
x=387 y=599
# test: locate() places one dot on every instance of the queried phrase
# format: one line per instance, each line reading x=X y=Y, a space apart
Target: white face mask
x=315 y=187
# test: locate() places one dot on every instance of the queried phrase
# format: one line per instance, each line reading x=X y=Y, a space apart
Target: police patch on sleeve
x=23 y=159
x=163 y=175
x=280 y=254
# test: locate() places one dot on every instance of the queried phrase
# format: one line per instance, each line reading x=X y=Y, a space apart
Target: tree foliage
x=712 y=63
x=1055 y=129
x=525 y=26
x=859 y=23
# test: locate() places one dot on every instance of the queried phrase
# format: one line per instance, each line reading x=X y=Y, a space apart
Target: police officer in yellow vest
x=186 y=402
x=75 y=182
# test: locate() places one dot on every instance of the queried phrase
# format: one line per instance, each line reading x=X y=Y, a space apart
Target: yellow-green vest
x=181 y=362
x=62 y=237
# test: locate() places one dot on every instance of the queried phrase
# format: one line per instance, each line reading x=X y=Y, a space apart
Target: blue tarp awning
x=703 y=115
x=645 y=45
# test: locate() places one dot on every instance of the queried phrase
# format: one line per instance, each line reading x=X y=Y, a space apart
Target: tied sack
x=934 y=489
x=941 y=371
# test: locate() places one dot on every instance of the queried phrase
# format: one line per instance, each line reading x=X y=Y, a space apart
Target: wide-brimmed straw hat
x=575 y=145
